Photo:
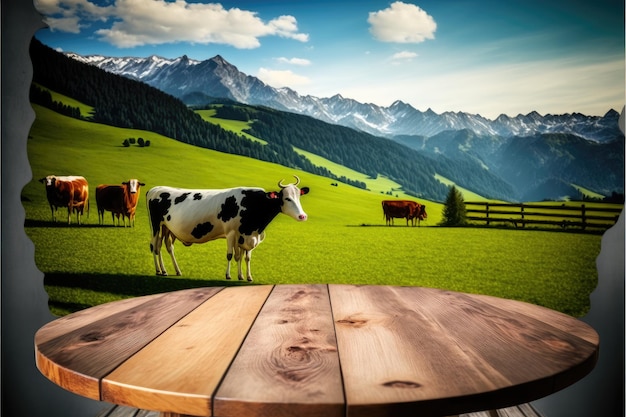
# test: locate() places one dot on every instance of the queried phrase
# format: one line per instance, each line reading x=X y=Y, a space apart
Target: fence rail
x=583 y=216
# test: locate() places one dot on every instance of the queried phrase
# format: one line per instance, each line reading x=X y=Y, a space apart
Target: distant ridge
x=518 y=168
x=190 y=80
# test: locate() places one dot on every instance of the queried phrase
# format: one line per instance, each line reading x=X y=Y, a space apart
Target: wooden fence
x=570 y=215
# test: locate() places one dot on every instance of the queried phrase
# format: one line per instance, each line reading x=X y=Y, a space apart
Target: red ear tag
x=272 y=194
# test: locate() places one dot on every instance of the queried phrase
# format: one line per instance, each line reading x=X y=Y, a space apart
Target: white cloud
x=71 y=15
x=153 y=22
x=64 y=24
x=294 y=61
x=284 y=78
x=403 y=56
x=402 y=23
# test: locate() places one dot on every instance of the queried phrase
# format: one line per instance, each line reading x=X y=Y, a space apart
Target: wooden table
x=316 y=350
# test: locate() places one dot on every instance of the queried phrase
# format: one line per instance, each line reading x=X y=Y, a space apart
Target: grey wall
x=24 y=302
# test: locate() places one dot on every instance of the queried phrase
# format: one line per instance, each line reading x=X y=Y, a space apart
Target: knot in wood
x=91 y=337
x=402 y=384
x=352 y=322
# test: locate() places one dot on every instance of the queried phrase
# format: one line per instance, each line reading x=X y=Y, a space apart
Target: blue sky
x=483 y=57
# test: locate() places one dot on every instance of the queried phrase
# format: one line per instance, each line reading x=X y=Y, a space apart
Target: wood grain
x=288 y=364
x=180 y=371
x=439 y=351
x=555 y=319
x=76 y=359
x=316 y=351
x=66 y=324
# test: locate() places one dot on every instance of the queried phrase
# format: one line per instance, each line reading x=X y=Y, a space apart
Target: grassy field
x=344 y=240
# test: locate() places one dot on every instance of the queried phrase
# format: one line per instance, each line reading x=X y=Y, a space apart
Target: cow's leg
x=239 y=251
x=230 y=250
x=155 y=247
x=248 y=255
x=169 y=246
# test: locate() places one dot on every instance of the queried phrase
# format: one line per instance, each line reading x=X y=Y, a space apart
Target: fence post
x=583 y=217
x=487 y=212
x=522 y=214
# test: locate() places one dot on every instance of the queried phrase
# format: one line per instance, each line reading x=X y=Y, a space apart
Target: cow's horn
x=281 y=185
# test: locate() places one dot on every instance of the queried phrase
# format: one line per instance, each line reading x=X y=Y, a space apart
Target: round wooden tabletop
x=316 y=350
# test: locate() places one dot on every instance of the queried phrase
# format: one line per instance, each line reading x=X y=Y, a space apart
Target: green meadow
x=345 y=239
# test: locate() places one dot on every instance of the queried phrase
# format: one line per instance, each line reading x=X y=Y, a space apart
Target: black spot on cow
x=258 y=210
x=229 y=209
x=181 y=198
x=241 y=240
x=202 y=229
x=197 y=196
x=158 y=208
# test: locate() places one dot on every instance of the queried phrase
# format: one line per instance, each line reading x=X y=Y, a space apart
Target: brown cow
x=67 y=191
x=120 y=200
x=407 y=209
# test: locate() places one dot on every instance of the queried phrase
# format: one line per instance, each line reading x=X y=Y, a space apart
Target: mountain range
x=199 y=82
x=535 y=158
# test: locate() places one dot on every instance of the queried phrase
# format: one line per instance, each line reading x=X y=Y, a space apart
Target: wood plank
x=66 y=324
x=396 y=342
x=524 y=410
x=375 y=325
x=288 y=364
x=567 y=347
x=554 y=318
x=79 y=358
x=180 y=370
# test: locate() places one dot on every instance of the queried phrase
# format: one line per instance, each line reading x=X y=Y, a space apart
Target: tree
x=454 y=213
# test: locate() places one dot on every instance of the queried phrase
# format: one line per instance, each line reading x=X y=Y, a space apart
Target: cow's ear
x=42 y=180
x=125 y=183
x=304 y=190
x=142 y=184
x=272 y=194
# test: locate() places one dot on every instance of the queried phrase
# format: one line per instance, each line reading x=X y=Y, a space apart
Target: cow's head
x=48 y=181
x=133 y=185
x=290 y=195
x=423 y=214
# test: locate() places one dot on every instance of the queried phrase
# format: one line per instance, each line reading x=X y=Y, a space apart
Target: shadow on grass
x=61 y=223
x=126 y=285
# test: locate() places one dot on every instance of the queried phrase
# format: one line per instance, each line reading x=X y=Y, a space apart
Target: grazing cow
x=419 y=214
x=407 y=209
x=120 y=200
x=238 y=214
x=67 y=191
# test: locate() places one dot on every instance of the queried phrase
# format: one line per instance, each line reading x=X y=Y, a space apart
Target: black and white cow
x=240 y=215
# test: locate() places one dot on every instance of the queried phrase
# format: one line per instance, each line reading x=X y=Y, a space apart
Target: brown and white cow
x=240 y=215
x=407 y=209
x=67 y=191
x=120 y=200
